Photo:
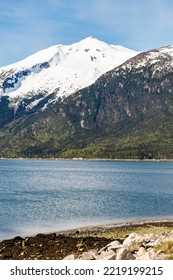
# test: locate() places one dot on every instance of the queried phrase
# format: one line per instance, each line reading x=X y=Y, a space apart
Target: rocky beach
x=148 y=240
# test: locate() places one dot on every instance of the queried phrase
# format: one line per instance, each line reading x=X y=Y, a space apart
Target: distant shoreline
x=91 y=159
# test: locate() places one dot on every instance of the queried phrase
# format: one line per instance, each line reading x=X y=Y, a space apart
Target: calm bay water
x=45 y=195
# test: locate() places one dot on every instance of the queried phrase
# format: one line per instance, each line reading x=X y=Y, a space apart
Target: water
x=44 y=195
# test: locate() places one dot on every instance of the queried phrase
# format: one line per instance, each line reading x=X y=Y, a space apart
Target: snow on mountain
x=160 y=59
x=61 y=69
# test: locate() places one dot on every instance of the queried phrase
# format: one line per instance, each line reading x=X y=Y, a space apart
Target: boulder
x=129 y=256
x=132 y=239
x=114 y=245
x=141 y=252
x=107 y=255
x=90 y=255
x=121 y=254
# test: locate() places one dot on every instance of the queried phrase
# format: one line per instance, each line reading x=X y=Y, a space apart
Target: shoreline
x=90 y=159
x=59 y=245
x=121 y=225
x=102 y=227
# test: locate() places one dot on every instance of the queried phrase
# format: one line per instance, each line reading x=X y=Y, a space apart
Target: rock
x=132 y=239
x=90 y=255
x=149 y=237
x=141 y=252
x=106 y=258
x=107 y=255
x=104 y=249
x=134 y=247
x=148 y=255
x=121 y=254
x=152 y=253
x=129 y=256
x=159 y=255
x=70 y=257
x=168 y=237
x=143 y=257
x=153 y=243
x=114 y=245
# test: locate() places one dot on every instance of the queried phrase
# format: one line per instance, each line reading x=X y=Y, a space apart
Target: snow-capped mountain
x=126 y=112
x=61 y=69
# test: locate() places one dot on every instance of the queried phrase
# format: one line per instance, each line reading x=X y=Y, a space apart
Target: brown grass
x=123 y=232
x=167 y=248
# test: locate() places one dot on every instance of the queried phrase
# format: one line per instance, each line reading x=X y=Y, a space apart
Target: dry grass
x=167 y=248
x=123 y=232
x=169 y=257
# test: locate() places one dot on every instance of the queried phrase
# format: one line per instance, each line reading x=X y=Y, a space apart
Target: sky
x=27 y=26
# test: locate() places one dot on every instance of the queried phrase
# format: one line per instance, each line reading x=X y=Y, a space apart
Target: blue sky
x=29 y=26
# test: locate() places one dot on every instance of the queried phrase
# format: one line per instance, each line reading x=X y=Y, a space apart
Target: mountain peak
x=61 y=69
